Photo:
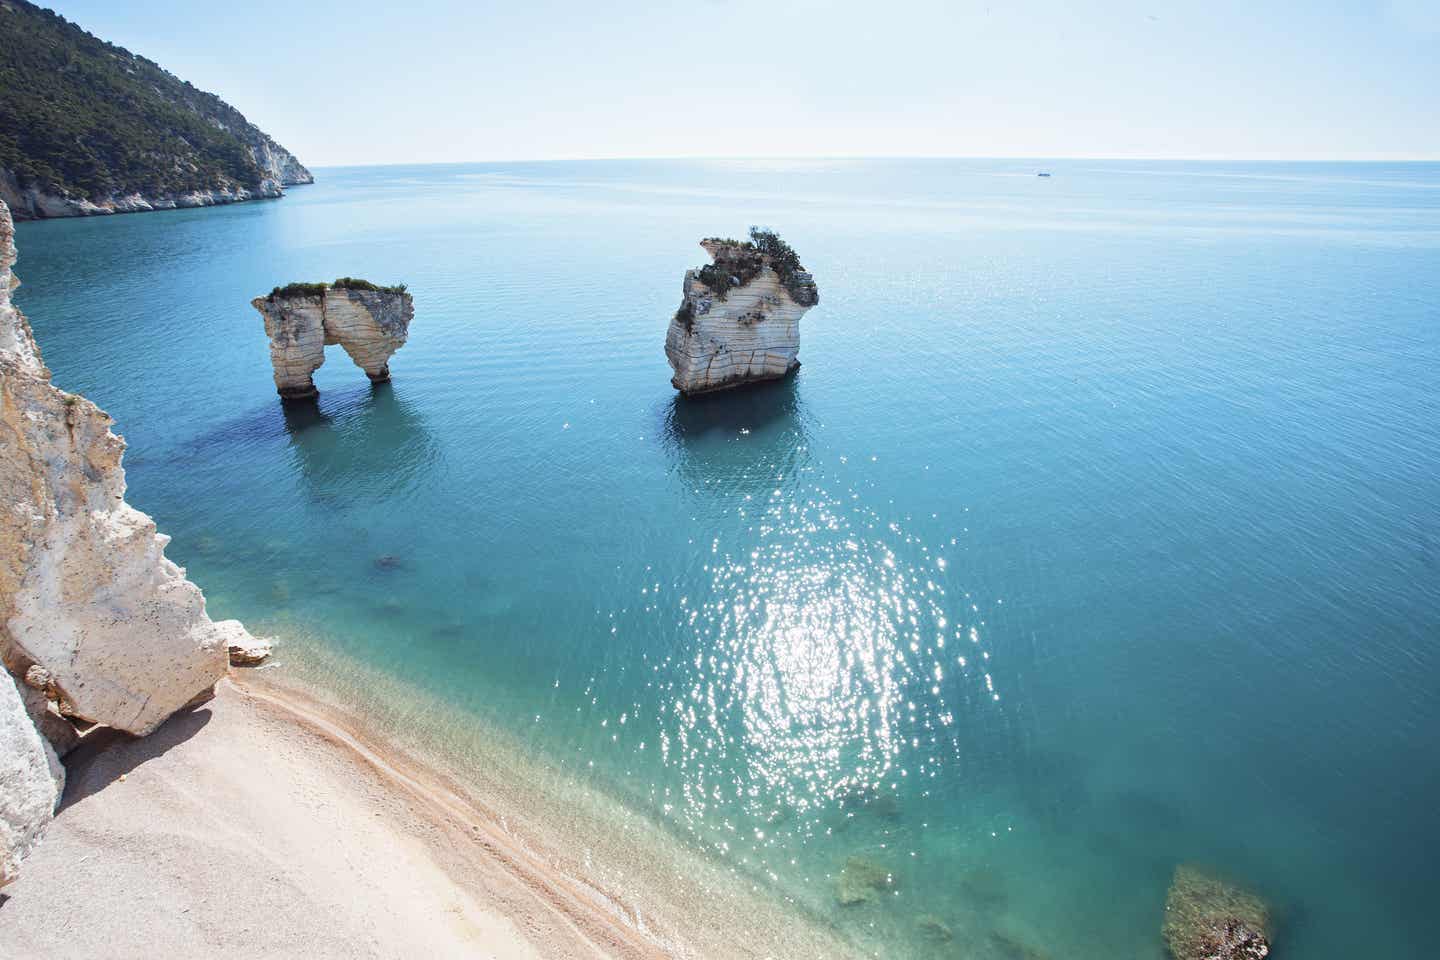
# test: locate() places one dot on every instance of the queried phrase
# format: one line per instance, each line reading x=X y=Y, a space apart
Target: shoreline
x=283 y=807
x=448 y=804
x=31 y=205
x=605 y=848
x=285 y=826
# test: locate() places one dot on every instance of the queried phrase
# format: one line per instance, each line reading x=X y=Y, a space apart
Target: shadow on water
x=362 y=441
x=725 y=413
x=311 y=463
x=741 y=438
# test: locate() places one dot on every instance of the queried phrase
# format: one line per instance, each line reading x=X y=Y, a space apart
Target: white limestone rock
x=722 y=338
x=86 y=592
x=31 y=781
x=244 y=650
x=369 y=324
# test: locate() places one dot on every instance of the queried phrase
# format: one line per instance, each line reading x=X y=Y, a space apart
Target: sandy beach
x=257 y=825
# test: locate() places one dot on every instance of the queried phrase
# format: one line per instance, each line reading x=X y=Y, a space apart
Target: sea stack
x=739 y=319
x=301 y=319
x=97 y=626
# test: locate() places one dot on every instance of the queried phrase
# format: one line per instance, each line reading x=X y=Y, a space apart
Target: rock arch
x=370 y=323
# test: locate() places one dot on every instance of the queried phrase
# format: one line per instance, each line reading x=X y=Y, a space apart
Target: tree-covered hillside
x=82 y=118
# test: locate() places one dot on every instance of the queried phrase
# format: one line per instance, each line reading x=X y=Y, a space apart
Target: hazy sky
x=446 y=80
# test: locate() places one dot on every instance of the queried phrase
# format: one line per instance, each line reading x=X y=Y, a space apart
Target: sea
x=1097 y=534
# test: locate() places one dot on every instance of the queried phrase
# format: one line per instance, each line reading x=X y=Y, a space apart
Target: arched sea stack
x=370 y=322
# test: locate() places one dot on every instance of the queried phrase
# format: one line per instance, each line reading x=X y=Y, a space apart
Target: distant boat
x=1043 y=173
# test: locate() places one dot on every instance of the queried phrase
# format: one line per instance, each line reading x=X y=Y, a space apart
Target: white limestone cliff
x=369 y=322
x=739 y=319
x=94 y=619
x=31 y=781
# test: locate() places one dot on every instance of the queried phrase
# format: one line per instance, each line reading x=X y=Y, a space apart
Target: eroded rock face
x=739 y=320
x=86 y=592
x=1208 y=919
x=369 y=324
x=31 y=781
x=244 y=650
x=95 y=623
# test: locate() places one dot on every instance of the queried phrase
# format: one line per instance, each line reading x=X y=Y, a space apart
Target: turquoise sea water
x=1100 y=530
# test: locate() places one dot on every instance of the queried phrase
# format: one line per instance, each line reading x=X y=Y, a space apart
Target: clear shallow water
x=1100 y=530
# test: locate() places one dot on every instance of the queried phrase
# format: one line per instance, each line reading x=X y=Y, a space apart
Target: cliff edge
x=739 y=318
x=96 y=625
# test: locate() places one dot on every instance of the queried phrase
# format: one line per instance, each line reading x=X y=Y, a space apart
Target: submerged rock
x=739 y=319
x=934 y=928
x=862 y=881
x=1208 y=919
x=1007 y=945
x=983 y=886
x=301 y=319
x=878 y=803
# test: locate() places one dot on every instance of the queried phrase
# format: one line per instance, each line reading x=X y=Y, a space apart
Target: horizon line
x=1422 y=159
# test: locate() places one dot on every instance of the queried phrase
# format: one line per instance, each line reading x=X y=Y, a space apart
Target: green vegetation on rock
x=299 y=290
x=739 y=261
x=318 y=289
x=686 y=316
x=83 y=118
x=351 y=283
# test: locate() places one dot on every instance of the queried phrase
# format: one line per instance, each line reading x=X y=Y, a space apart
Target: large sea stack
x=368 y=321
x=739 y=320
x=96 y=625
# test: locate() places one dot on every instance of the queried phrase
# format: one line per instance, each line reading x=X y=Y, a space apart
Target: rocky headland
x=35 y=202
x=739 y=319
x=97 y=627
x=87 y=127
x=369 y=322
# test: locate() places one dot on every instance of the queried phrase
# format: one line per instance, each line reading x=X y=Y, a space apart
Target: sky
x=429 y=81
